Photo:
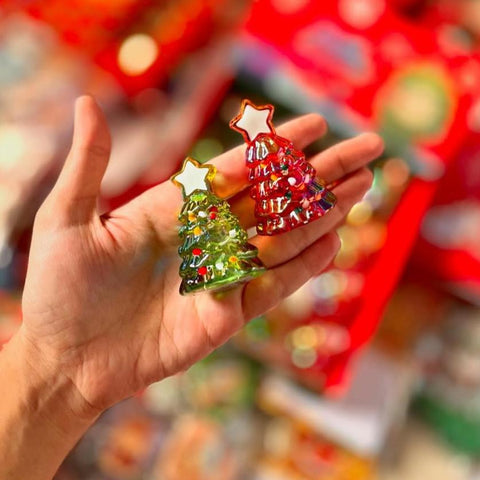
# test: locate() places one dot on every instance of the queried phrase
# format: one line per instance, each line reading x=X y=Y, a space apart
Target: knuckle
x=96 y=150
x=341 y=160
x=90 y=150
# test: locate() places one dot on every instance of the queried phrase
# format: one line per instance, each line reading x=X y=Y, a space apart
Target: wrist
x=42 y=415
x=46 y=381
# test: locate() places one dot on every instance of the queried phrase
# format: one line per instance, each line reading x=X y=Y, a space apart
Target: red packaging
x=374 y=70
x=138 y=41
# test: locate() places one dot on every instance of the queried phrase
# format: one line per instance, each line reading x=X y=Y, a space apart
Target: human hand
x=101 y=305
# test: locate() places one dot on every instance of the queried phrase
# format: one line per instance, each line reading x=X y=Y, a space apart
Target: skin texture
x=102 y=319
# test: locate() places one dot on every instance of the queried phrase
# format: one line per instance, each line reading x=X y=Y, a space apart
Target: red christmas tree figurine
x=284 y=188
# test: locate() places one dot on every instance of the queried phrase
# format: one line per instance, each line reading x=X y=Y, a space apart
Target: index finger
x=346 y=157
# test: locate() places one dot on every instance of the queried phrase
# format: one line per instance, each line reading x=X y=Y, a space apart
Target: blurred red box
x=385 y=73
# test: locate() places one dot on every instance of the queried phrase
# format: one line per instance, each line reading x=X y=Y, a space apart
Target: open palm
x=101 y=302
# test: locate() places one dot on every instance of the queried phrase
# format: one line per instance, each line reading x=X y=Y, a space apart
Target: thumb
x=77 y=188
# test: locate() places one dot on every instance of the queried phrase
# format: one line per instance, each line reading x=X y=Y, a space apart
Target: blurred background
x=372 y=370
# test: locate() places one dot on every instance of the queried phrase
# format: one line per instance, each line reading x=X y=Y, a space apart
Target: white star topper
x=194 y=176
x=253 y=120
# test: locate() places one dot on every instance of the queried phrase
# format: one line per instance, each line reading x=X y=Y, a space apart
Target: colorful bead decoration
x=215 y=252
x=283 y=183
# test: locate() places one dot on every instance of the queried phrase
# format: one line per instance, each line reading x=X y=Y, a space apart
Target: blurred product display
x=371 y=370
x=450 y=397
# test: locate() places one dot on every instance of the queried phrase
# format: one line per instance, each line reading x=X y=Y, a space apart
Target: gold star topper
x=194 y=176
x=253 y=120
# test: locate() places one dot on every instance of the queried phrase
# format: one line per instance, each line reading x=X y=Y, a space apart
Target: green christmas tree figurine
x=214 y=250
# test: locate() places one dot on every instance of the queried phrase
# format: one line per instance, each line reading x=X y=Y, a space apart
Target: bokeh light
x=360 y=213
x=137 y=54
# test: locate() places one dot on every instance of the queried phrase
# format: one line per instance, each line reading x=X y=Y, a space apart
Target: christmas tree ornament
x=215 y=252
x=284 y=188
